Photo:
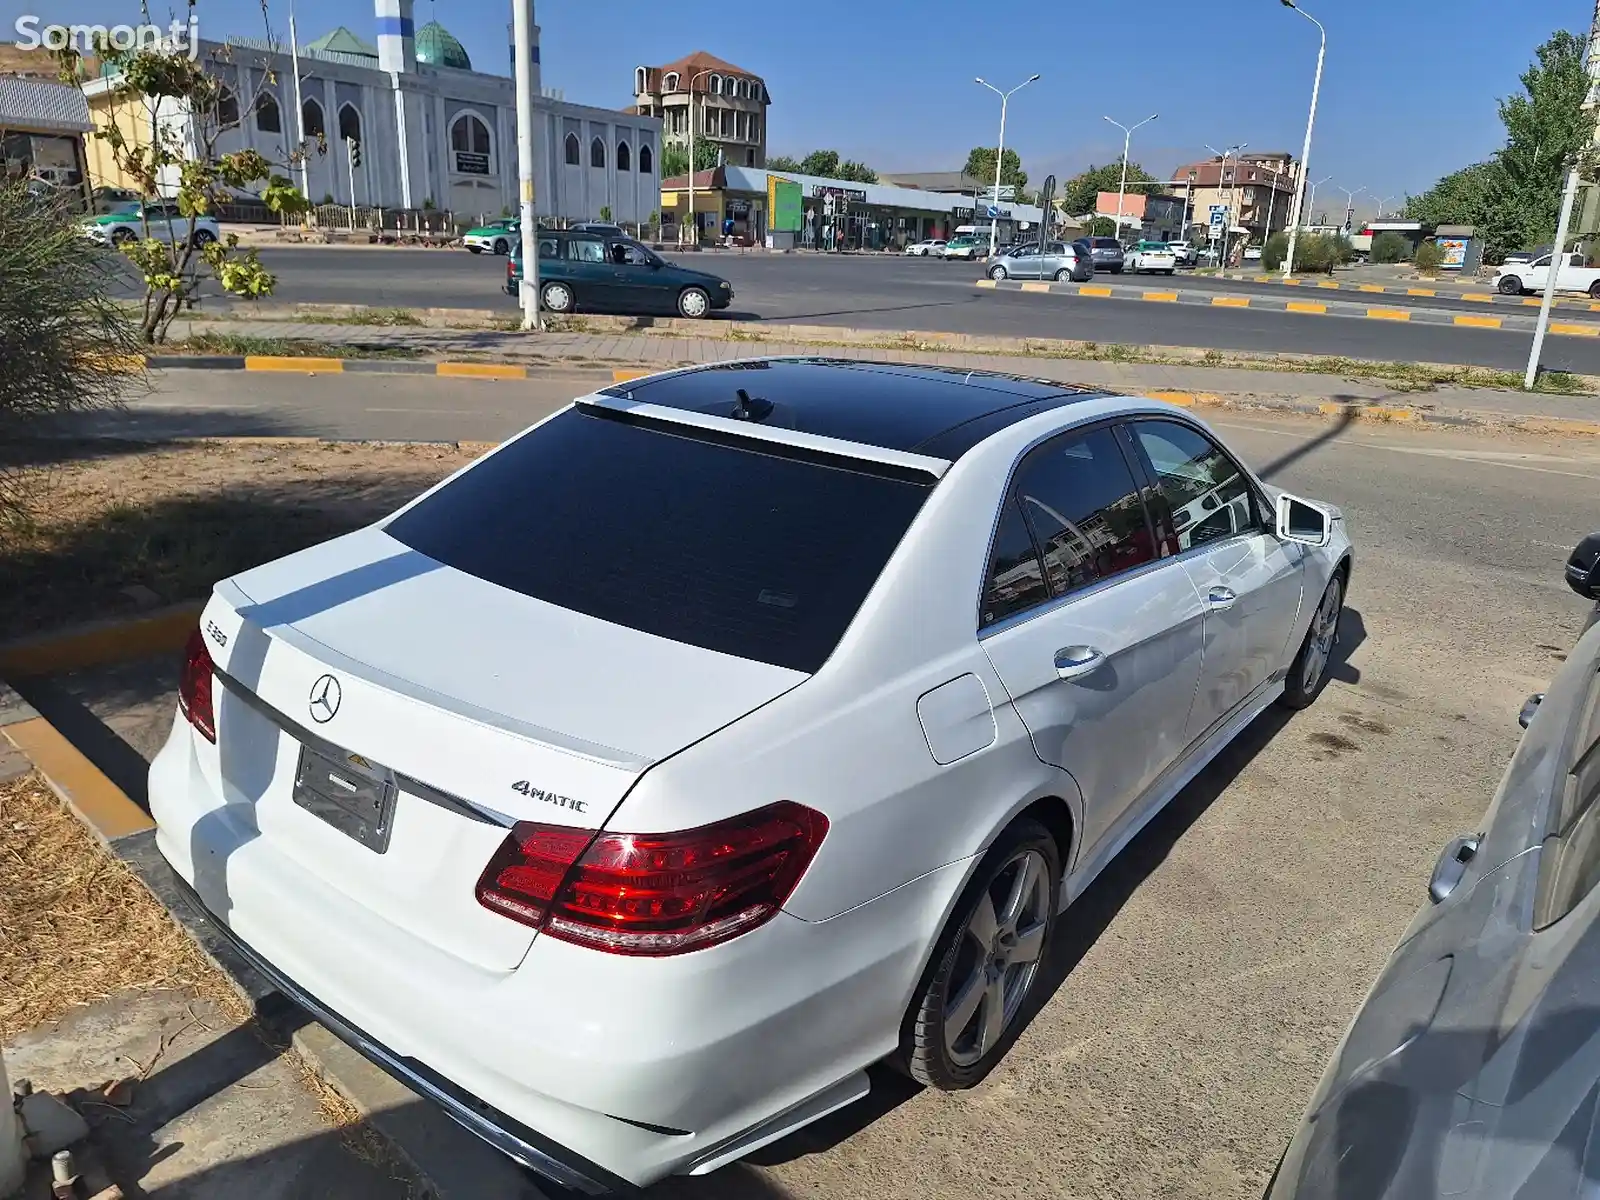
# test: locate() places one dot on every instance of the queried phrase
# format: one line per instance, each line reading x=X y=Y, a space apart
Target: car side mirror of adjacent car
x=1304 y=522
x=1583 y=568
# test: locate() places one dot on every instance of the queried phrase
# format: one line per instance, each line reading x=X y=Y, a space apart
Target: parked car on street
x=152 y=218
x=633 y=791
x=603 y=228
x=931 y=247
x=497 y=237
x=1471 y=1070
x=1061 y=261
x=966 y=247
x=1184 y=254
x=1107 y=253
x=1574 y=275
x=615 y=274
x=1253 y=254
x=1154 y=257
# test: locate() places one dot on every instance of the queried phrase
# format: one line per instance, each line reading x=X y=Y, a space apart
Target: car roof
x=940 y=412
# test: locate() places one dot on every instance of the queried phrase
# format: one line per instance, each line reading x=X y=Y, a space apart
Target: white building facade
x=432 y=132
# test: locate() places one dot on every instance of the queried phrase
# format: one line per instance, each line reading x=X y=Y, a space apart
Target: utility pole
x=1297 y=210
x=522 y=41
x=1569 y=194
x=299 y=110
x=1127 y=141
x=1000 y=154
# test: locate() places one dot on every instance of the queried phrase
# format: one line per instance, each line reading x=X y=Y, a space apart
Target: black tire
x=694 y=303
x=557 y=297
x=119 y=236
x=1298 y=691
x=500 y=246
x=474 y=249
x=203 y=238
x=1594 y=290
x=1170 y=271
x=925 y=1053
x=997 y=272
x=1510 y=285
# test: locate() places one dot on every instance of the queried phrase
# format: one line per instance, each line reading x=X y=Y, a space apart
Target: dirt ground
x=115 y=526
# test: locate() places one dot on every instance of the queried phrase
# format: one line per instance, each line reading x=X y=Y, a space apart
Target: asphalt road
x=894 y=293
x=1198 y=988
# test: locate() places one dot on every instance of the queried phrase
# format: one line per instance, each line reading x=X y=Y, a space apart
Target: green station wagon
x=615 y=274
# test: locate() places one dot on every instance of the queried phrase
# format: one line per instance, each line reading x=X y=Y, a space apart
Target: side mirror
x=1583 y=568
x=1301 y=521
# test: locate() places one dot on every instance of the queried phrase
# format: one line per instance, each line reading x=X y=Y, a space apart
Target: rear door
x=1209 y=513
x=592 y=277
x=1101 y=660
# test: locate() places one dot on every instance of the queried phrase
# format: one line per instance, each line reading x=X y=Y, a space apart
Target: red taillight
x=194 y=687
x=654 y=894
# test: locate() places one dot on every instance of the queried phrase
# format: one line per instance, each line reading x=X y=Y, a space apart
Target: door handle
x=1452 y=867
x=1074 y=662
x=1220 y=598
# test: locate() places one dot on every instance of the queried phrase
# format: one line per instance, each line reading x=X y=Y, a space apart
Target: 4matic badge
x=539 y=793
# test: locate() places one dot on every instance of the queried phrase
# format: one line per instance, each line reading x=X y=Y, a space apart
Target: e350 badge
x=539 y=793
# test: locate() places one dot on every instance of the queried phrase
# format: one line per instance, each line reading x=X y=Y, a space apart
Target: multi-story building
x=727 y=103
x=1257 y=190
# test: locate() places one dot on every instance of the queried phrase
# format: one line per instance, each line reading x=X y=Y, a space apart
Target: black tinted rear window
x=733 y=549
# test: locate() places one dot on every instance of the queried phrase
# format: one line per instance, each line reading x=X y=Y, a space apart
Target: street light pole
x=1305 y=150
x=1311 y=204
x=1127 y=141
x=694 y=217
x=522 y=40
x=1381 y=205
x=1222 y=170
x=1000 y=153
x=1349 y=203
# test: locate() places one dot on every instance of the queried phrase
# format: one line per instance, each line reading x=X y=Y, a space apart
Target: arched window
x=573 y=158
x=670 y=82
x=311 y=118
x=716 y=85
x=268 y=118
x=624 y=158
x=349 y=124
x=597 y=153
x=638 y=80
x=227 y=107
x=744 y=89
x=471 y=146
x=646 y=160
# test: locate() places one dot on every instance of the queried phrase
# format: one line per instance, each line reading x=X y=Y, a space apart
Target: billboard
x=783 y=204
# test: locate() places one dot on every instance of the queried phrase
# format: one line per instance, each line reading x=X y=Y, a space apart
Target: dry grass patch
x=76 y=925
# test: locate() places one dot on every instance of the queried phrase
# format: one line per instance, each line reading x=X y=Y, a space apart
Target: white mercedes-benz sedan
x=633 y=790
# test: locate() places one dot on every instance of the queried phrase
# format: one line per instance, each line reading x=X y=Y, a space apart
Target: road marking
x=1291 y=283
x=1421 y=292
x=1328 y=283
x=1305 y=307
x=1086 y=290
x=1531 y=301
x=1474 y=296
x=1374 y=287
x=1575 y=330
x=1165 y=297
x=1480 y=322
x=1231 y=301
x=1183 y=399
x=304 y=366
x=1594 y=308
x=626 y=374
x=985 y=283
x=1035 y=286
x=481 y=371
x=1389 y=314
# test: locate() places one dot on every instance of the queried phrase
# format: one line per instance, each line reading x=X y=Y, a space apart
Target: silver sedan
x=1061 y=261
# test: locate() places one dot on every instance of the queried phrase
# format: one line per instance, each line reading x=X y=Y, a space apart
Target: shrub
x=1390 y=247
x=605 y=212
x=1101 y=227
x=1429 y=257
x=1274 y=252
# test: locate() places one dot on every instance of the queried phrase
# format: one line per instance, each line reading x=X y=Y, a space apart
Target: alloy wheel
x=1324 y=635
x=1001 y=949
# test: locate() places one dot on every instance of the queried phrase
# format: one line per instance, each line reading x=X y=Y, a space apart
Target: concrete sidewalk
x=652 y=351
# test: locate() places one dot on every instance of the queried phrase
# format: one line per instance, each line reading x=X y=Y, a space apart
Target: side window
x=1083 y=506
x=587 y=250
x=1201 y=490
x=549 y=247
x=1569 y=866
x=627 y=254
x=1016 y=580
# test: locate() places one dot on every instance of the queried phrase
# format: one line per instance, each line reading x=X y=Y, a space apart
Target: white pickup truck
x=1575 y=275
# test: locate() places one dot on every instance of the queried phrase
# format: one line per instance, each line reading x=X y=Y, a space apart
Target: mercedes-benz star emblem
x=325 y=697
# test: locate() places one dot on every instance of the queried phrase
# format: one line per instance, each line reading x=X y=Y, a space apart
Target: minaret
x=533 y=37
x=397 y=38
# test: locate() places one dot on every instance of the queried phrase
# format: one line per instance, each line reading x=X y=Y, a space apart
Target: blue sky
x=1408 y=93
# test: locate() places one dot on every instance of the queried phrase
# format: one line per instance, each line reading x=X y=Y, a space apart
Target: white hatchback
x=635 y=789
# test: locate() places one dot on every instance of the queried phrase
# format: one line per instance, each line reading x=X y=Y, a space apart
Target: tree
x=1082 y=191
x=856 y=172
x=675 y=158
x=784 y=164
x=176 y=268
x=980 y=166
x=1429 y=257
x=65 y=345
x=1390 y=247
x=1101 y=227
x=1514 y=197
x=821 y=162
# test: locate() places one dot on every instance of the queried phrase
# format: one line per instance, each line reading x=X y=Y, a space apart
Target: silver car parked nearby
x=1060 y=260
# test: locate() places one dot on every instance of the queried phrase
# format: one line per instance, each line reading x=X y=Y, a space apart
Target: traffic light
x=354 y=147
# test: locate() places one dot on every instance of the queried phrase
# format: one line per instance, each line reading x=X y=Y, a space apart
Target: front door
x=1097 y=641
x=1211 y=514
x=634 y=278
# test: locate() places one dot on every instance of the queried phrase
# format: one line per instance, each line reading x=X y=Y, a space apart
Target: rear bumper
x=506 y=1134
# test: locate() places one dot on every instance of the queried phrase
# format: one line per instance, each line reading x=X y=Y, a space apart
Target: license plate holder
x=353 y=795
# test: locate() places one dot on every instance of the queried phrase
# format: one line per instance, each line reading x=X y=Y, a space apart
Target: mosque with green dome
x=429 y=127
